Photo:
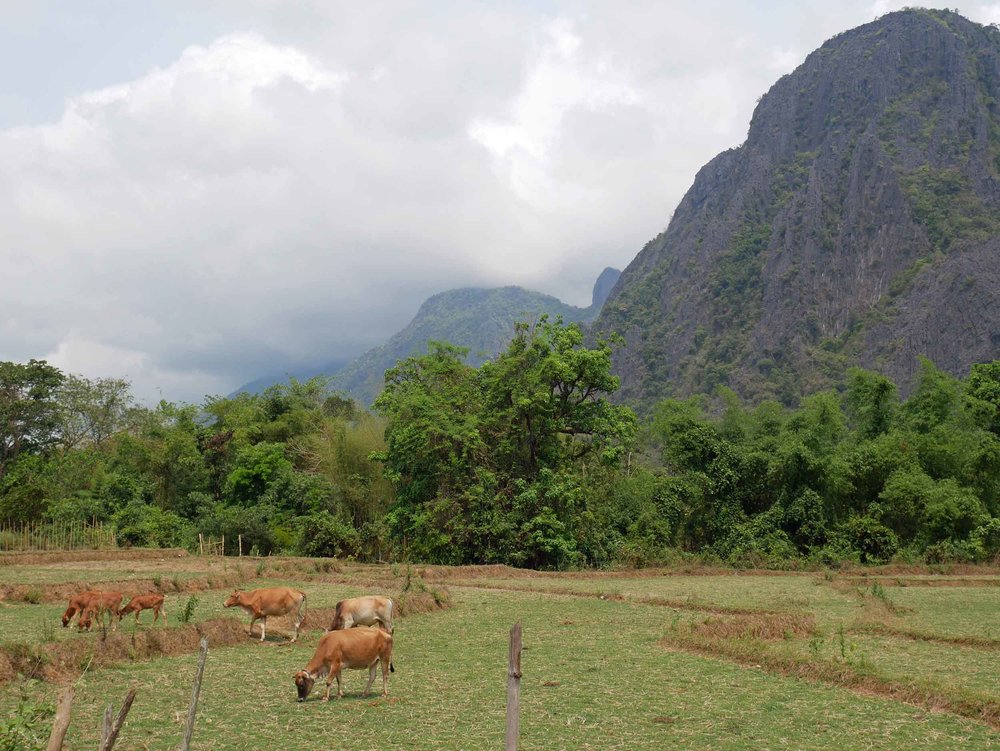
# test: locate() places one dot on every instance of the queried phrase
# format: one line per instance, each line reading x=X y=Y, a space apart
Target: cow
x=77 y=604
x=363 y=611
x=356 y=649
x=100 y=604
x=260 y=603
x=151 y=601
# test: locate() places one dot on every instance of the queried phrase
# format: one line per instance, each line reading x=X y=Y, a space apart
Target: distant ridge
x=478 y=318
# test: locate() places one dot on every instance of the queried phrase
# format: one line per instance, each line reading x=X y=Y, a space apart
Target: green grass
x=614 y=688
x=954 y=611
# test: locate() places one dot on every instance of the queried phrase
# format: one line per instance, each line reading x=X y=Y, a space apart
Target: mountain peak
x=857 y=224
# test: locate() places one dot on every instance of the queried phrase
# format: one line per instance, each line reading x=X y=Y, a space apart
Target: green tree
x=29 y=410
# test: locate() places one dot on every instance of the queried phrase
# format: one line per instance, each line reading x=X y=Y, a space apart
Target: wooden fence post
x=239 y=539
x=196 y=689
x=201 y=544
x=111 y=730
x=61 y=724
x=513 y=689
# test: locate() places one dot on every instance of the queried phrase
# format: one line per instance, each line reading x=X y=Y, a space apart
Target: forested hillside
x=859 y=224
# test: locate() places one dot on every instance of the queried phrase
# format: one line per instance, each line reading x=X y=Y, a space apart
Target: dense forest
x=523 y=460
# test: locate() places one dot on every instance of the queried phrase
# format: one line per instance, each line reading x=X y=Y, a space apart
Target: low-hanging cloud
x=289 y=194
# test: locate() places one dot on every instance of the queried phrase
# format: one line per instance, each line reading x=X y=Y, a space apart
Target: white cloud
x=290 y=194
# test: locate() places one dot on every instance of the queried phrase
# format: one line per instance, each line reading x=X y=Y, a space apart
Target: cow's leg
x=263 y=627
x=329 y=681
x=298 y=619
x=340 y=689
x=371 y=677
x=253 y=620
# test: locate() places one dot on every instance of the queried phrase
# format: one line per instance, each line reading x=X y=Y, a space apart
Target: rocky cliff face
x=858 y=224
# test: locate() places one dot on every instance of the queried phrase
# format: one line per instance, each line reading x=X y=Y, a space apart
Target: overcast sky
x=194 y=194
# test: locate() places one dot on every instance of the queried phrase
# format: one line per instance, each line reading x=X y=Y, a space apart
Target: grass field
x=719 y=662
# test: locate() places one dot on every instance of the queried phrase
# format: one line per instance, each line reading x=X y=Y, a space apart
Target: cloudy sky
x=194 y=194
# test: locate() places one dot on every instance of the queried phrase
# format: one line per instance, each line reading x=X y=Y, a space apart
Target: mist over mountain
x=478 y=318
x=857 y=224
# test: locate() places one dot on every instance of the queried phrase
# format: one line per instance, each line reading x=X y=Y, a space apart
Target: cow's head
x=233 y=599
x=66 y=619
x=85 y=623
x=304 y=683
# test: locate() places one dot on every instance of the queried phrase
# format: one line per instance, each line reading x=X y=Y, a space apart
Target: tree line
x=525 y=460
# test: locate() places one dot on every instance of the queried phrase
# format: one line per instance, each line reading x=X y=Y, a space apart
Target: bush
x=253 y=523
x=26 y=728
x=873 y=541
x=325 y=536
x=141 y=525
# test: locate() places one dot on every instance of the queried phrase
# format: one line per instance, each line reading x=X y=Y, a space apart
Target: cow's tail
x=302 y=608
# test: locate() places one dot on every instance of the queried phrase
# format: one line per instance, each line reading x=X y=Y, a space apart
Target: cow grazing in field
x=356 y=649
x=101 y=604
x=260 y=603
x=77 y=604
x=152 y=601
x=363 y=611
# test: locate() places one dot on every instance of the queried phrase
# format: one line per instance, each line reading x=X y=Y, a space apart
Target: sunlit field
x=728 y=661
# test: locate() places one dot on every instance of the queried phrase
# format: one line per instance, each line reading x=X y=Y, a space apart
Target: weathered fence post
x=239 y=539
x=513 y=688
x=196 y=689
x=111 y=730
x=201 y=544
x=61 y=724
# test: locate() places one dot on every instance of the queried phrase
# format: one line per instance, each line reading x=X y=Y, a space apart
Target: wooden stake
x=514 y=689
x=61 y=724
x=106 y=729
x=196 y=689
x=201 y=544
x=239 y=539
x=111 y=731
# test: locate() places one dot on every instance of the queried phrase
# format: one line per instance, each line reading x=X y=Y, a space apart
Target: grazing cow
x=77 y=604
x=150 y=601
x=102 y=603
x=260 y=603
x=363 y=611
x=356 y=649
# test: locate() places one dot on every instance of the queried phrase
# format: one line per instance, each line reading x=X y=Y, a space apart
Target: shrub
x=873 y=541
x=188 y=613
x=323 y=535
x=142 y=525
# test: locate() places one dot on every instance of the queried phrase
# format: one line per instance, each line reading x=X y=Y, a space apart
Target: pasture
x=718 y=660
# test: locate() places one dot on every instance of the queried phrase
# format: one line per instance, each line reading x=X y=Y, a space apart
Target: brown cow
x=363 y=611
x=356 y=649
x=151 y=601
x=260 y=603
x=102 y=603
x=77 y=604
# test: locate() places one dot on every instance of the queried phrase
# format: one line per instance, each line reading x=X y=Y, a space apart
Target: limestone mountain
x=859 y=223
x=480 y=319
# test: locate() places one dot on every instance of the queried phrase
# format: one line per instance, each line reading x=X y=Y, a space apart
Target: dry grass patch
x=757 y=626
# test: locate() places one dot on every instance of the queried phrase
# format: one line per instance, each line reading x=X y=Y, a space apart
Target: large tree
x=492 y=465
x=29 y=409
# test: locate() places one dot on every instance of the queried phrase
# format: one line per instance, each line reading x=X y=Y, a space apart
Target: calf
x=77 y=604
x=150 y=601
x=356 y=649
x=260 y=603
x=363 y=611
x=102 y=603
